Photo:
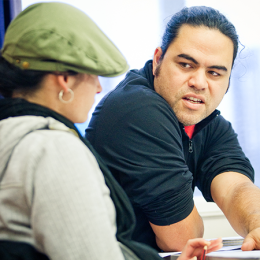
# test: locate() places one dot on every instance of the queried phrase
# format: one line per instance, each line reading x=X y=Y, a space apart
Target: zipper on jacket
x=190 y=147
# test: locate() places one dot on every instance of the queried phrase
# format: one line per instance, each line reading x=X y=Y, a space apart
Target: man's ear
x=156 y=58
x=228 y=84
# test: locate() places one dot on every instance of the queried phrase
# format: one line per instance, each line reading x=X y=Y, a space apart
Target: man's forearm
x=240 y=201
x=244 y=210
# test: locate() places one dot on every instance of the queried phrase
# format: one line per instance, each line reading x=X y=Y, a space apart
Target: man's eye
x=214 y=73
x=185 y=65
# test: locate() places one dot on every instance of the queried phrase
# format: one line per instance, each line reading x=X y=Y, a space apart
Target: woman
x=58 y=200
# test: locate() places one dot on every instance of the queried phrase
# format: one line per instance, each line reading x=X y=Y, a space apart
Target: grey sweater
x=53 y=194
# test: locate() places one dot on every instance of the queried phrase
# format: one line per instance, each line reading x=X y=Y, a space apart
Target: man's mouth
x=194 y=100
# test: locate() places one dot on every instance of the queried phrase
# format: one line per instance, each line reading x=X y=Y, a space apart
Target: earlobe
x=156 y=58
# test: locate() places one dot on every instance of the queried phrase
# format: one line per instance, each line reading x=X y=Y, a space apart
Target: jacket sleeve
x=142 y=145
x=72 y=214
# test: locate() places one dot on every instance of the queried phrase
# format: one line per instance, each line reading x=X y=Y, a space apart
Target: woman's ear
x=63 y=82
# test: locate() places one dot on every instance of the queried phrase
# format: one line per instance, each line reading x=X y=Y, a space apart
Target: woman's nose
x=99 y=87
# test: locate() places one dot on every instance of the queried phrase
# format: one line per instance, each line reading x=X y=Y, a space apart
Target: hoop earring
x=61 y=96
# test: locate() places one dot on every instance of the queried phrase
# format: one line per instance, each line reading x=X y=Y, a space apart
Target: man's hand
x=194 y=248
x=252 y=240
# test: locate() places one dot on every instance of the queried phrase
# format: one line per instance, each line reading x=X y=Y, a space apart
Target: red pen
x=203 y=256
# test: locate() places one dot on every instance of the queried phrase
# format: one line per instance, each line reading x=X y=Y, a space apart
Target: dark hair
x=13 y=79
x=199 y=16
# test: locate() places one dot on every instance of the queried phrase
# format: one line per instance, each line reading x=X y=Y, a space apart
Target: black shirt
x=138 y=135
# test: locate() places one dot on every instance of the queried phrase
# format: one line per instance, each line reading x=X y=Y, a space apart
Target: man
x=161 y=135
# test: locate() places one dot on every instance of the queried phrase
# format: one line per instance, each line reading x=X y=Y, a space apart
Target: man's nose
x=198 y=80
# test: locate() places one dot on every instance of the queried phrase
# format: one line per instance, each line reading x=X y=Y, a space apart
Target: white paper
x=169 y=253
x=236 y=254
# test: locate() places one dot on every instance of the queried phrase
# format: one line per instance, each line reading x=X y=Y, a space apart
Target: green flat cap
x=55 y=36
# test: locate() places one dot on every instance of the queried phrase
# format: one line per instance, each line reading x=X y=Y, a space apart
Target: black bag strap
x=11 y=250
